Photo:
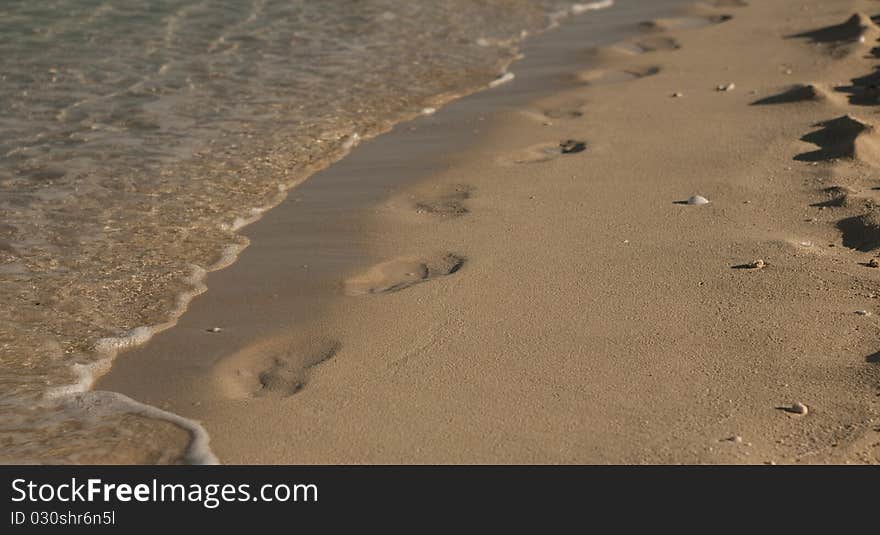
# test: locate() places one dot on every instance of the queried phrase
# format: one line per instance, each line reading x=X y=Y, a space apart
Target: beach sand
x=520 y=278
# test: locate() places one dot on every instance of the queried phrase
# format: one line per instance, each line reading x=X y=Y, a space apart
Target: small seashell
x=735 y=439
x=726 y=87
x=873 y=263
x=863 y=312
x=799 y=408
x=698 y=200
x=677 y=95
x=758 y=264
x=214 y=330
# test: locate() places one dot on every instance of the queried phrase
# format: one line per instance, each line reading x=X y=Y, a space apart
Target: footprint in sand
x=656 y=44
x=862 y=232
x=836 y=197
x=798 y=93
x=844 y=137
x=544 y=152
x=686 y=22
x=567 y=109
x=627 y=49
x=447 y=204
x=400 y=273
x=272 y=369
x=841 y=40
x=602 y=76
x=855 y=28
x=864 y=90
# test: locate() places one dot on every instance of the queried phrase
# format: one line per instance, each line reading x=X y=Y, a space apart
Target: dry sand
x=511 y=302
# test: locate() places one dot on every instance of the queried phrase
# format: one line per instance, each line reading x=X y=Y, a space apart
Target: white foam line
x=506 y=77
x=198 y=450
x=108 y=348
x=577 y=9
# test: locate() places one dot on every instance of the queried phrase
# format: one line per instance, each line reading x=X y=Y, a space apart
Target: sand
x=463 y=290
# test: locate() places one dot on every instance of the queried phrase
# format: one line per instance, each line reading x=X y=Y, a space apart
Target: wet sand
x=520 y=278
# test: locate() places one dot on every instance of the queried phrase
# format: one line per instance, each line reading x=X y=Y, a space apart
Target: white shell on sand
x=698 y=200
x=799 y=408
x=863 y=312
x=214 y=330
x=726 y=87
x=758 y=264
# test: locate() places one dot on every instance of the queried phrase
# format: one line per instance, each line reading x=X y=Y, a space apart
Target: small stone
x=736 y=439
x=697 y=200
x=873 y=263
x=677 y=95
x=214 y=330
x=799 y=408
x=571 y=146
x=726 y=87
x=863 y=312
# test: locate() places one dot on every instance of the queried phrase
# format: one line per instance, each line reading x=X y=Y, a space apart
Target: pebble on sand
x=863 y=312
x=214 y=330
x=757 y=264
x=572 y=146
x=799 y=408
x=873 y=263
x=698 y=200
x=726 y=87
x=677 y=95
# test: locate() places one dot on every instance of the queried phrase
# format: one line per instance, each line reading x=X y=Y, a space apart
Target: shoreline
x=446 y=369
